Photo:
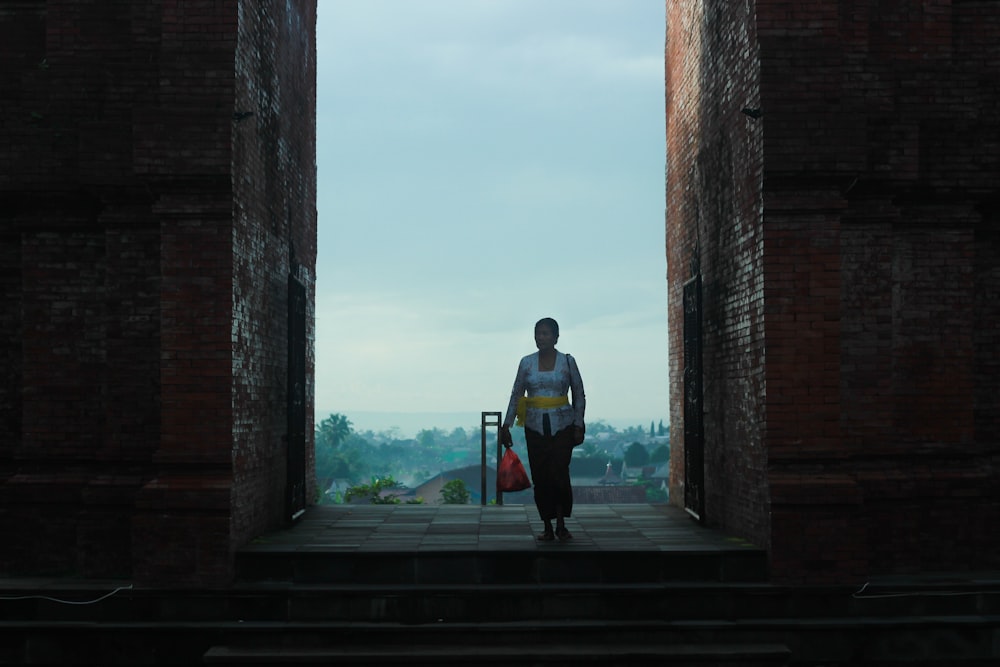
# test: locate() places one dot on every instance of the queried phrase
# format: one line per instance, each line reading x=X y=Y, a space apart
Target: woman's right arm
x=516 y=392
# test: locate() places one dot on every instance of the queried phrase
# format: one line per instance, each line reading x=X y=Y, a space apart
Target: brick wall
x=893 y=111
x=143 y=430
x=879 y=246
x=713 y=217
x=274 y=177
x=80 y=265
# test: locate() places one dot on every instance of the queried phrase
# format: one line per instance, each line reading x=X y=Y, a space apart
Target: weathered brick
x=868 y=193
x=147 y=238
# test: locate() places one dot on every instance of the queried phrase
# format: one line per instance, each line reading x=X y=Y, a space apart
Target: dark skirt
x=548 y=456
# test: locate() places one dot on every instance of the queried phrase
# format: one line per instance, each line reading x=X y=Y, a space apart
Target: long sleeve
x=516 y=392
x=579 y=396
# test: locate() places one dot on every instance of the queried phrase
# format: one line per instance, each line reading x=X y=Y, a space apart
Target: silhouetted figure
x=553 y=425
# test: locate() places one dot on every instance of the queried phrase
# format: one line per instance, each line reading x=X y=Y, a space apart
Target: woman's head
x=550 y=323
x=546 y=332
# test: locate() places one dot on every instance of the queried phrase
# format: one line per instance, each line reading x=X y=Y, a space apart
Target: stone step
x=665 y=601
x=512 y=653
x=956 y=640
x=486 y=568
x=410 y=603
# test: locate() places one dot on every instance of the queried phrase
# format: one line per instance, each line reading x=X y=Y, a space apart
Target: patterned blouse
x=563 y=377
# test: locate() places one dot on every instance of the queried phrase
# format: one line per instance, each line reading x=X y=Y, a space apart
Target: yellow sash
x=540 y=402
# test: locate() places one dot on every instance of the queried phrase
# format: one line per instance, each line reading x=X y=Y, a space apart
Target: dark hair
x=550 y=323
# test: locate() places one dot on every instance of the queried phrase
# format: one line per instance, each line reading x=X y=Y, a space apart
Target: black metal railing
x=490 y=419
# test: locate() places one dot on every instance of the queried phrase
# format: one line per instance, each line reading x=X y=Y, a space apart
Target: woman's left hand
x=505 y=438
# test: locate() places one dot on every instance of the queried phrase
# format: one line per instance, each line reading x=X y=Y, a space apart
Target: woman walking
x=553 y=424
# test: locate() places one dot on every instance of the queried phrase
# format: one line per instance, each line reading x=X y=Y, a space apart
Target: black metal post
x=484 y=423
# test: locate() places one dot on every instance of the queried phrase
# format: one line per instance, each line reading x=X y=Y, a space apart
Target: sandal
x=546 y=536
x=563 y=534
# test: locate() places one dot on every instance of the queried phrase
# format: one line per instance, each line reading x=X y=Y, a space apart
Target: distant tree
x=636 y=456
x=429 y=437
x=339 y=454
x=342 y=453
x=660 y=455
x=333 y=431
x=634 y=432
x=589 y=449
x=455 y=493
x=599 y=426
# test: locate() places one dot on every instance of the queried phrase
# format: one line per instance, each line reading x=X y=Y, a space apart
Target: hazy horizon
x=411 y=423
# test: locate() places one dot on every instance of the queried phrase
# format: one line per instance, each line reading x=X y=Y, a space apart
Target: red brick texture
x=274 y=181
x=714 y=172
x=146 y=237
x=877 y=231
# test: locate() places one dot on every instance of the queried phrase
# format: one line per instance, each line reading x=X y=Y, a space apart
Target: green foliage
x=598 y=427
x=455 y=493
x=636 y=456
x=349 y=457
x=660 y=455
x=654 y=494
x=427 y=437
x=338 y=455
x=373 y=491
x=333 y=431
x=359 y=456
x=589 y=449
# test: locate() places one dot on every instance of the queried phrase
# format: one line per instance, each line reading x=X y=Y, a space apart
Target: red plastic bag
x=511 y=475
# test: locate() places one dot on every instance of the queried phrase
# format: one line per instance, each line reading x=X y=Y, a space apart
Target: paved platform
x=374 y=528
x=475 y=545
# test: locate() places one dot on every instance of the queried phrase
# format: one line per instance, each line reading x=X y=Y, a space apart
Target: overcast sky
x=483 y=164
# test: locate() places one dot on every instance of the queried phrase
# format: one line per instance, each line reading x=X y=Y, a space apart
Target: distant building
x=611 y=478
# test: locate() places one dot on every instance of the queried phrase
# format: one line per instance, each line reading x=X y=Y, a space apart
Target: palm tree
x=332 y=460
x=333 y=431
